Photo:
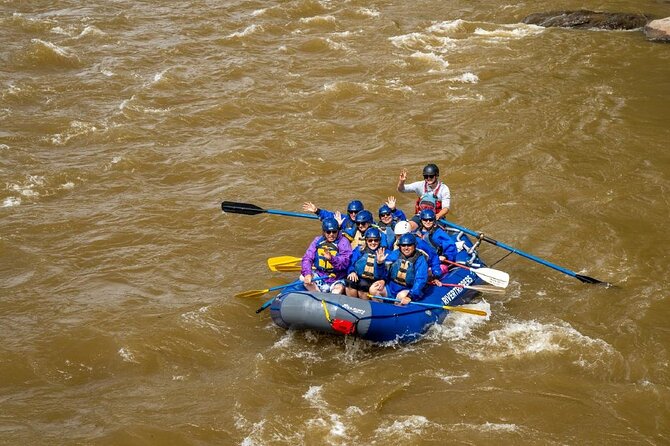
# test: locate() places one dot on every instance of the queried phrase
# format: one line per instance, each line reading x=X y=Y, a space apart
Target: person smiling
x=432 y=193
x=328 y=254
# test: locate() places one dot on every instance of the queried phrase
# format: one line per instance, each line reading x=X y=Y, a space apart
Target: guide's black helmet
x=431 y=169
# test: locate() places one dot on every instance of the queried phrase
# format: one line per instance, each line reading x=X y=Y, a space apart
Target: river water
x=124 y=124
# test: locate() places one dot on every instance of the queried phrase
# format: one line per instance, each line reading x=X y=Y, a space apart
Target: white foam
x=446 y=26
x=127 y=355
x=431 y=58
x=313 y=395
x=90 y=29
x=63 y=52
x=11 y=201
x=529 y=338
x=368 y=12
x=467 y=78
x=251 y=29
x=405 y=426
x=318 y=19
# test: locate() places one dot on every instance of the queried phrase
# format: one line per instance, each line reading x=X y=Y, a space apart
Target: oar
x=254 y=293
x=492 y=276
x=288 y=268
x=585 y=279
x=445 y=307
x=480 y=288
x=273 y=262
x=251 y=209
x=269 y=302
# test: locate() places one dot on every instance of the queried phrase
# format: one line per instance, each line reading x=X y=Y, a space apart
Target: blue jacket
x=440 y=241
x=417 y=274
x=433 y=257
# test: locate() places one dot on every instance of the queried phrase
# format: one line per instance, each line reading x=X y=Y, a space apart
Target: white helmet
x=402 y=227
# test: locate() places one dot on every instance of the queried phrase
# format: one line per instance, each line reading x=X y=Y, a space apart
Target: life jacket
x=419 y=205
x=320 y=261
x=365 y=264
x=403 y=271
x=358 y=238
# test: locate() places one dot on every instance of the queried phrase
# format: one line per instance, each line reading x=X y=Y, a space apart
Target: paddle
x=254 y=293
x=585 y=279
x=492 y=276
x=288 y=268
x=251 y=209
x=274 y=262
x=480 y=288
x=445 y=307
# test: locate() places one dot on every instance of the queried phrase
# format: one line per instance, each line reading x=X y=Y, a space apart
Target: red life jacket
x=418 y=207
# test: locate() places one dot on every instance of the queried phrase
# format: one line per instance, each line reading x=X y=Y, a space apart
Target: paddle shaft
x=585 y=279
x=251 y=209
x=442 y=307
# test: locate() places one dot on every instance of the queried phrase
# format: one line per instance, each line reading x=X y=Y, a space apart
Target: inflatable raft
x=296 y=308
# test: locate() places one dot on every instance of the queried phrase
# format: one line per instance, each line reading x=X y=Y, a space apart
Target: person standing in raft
x=407 y=273
x=367 y=265
x=348 y=223
x=432 y=193
x=328 y=254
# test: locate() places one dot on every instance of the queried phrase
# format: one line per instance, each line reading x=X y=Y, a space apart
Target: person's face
x=352 y=214
x=363 y=226
x=430 y=179
x=330 y=235
x=428 y=224
x=373 y=243
x=386 y=217
x=407 y=250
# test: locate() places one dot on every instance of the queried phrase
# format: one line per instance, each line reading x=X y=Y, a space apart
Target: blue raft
x=296 y=308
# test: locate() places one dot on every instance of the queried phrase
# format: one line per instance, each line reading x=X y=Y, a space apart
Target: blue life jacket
x=402 y=271
x=366 y=265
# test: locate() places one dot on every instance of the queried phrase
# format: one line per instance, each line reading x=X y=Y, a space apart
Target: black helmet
x=431 y=169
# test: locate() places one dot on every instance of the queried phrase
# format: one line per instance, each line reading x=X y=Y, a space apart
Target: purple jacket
x=340 y=262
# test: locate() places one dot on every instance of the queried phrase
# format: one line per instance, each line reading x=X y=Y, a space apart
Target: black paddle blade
x=587 y=279
x=241 y=208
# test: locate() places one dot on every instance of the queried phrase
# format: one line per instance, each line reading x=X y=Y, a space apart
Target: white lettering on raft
x=452 y=294
x=353 y=309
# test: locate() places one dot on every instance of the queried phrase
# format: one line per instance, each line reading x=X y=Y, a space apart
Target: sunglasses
x=429 y=177
x=330 y=232
x=384 y=215
x=405 y=246
x=353 y=212
x=362 y=223
x=427 y=219
x=375 y=240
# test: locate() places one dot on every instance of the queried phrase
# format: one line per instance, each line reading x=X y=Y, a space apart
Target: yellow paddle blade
x=466 y=310
x=273 y=262
x=287 y=268
x=252 y=293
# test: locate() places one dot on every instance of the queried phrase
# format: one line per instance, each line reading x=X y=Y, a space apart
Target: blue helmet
x=407 y=239
x=330 y=224
x=373 y=233
x=427 y=214
x=384 y=209
x=364 y=216
x=355 y=206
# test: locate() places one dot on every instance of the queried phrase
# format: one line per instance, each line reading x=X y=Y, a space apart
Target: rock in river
x=658 y=30
x=587 y=19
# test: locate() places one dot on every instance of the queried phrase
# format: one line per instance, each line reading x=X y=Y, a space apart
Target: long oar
x=585 y=279
x=492 y=276
x=274 y=262
x=480 y=288
x=251 y=209
x=445 y=307
x=288 y=268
